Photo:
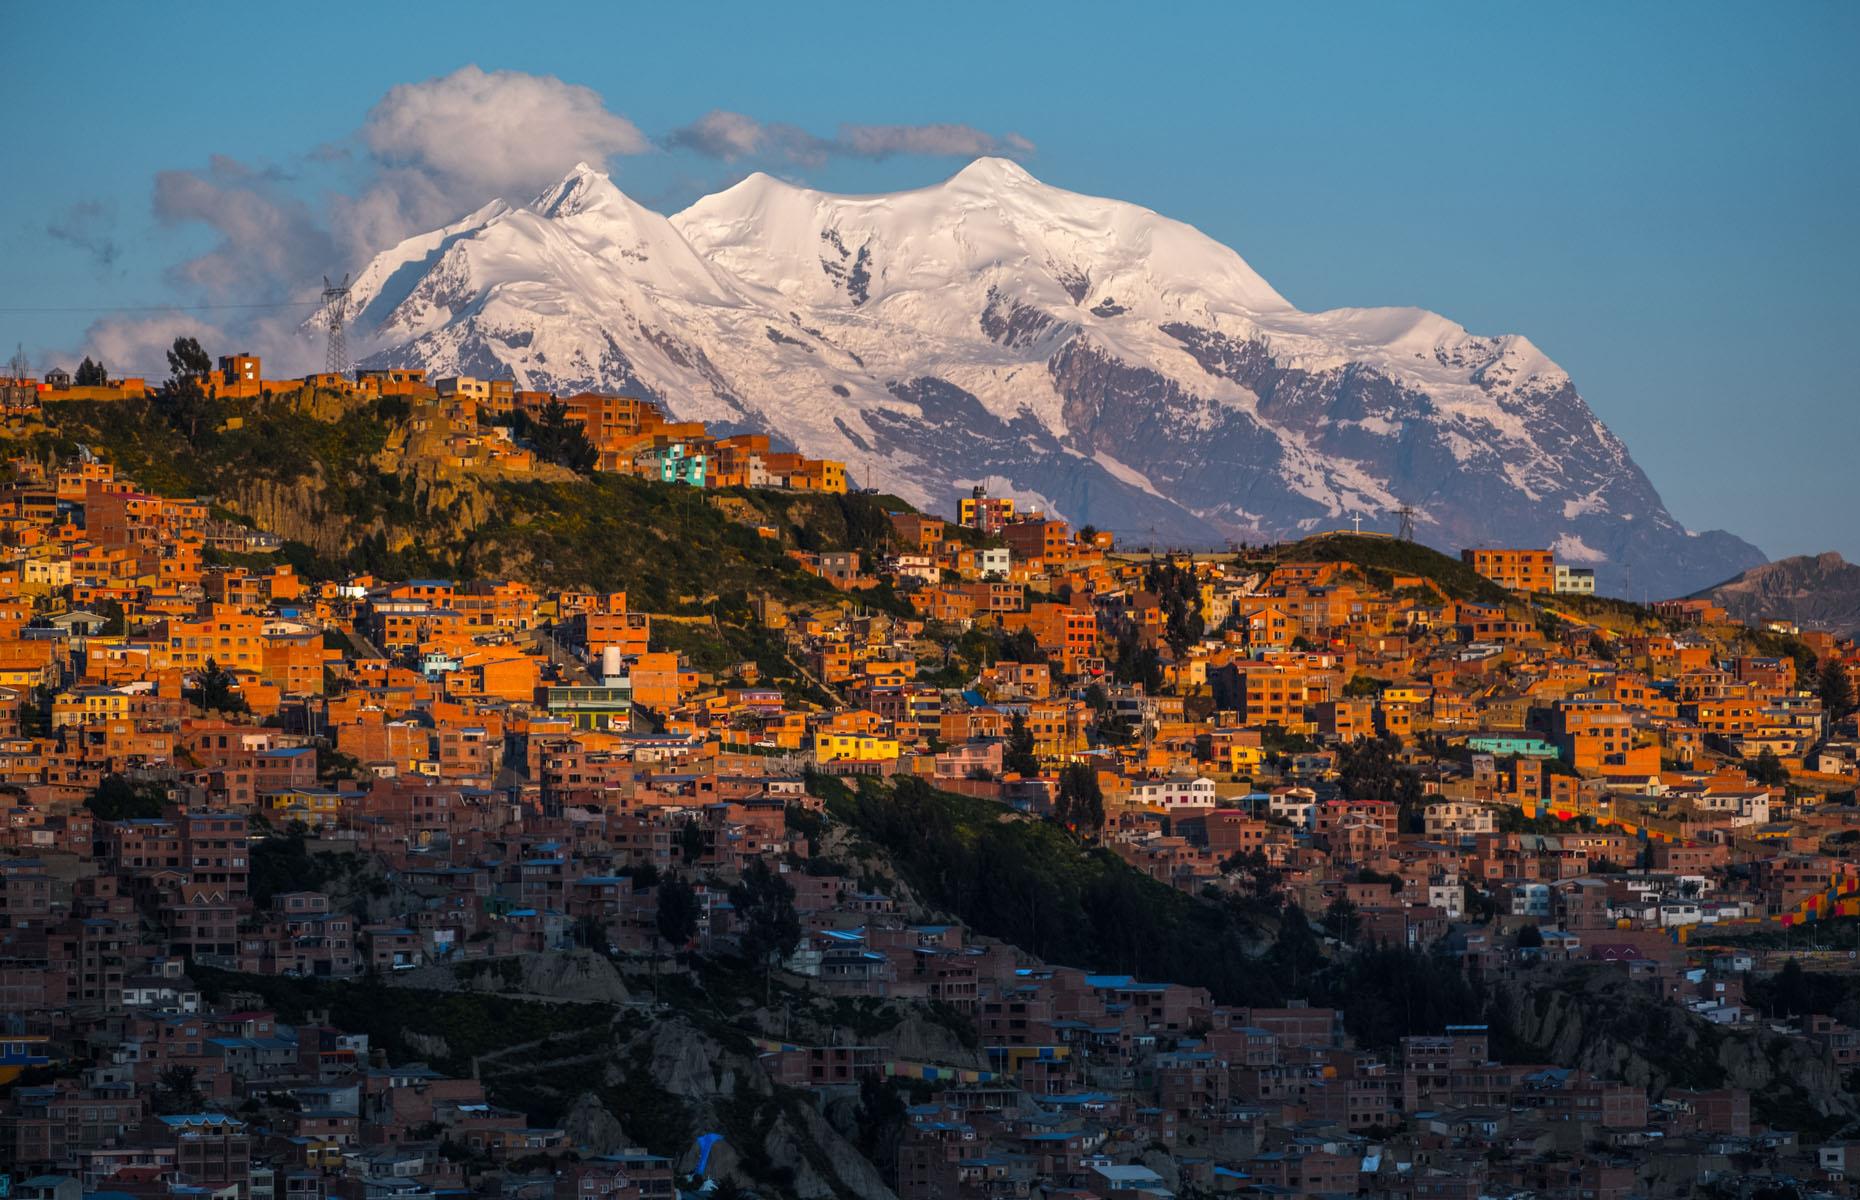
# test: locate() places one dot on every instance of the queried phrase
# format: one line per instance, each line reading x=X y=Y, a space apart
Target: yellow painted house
x=853 y=747
x=89 y=706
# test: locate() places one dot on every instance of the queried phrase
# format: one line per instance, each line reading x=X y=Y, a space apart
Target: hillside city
x=811 y=844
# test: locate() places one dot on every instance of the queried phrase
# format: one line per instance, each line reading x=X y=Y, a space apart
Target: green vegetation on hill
x=468 y=1024
x=1030 y=883
x=670 y=547
x=331 y=475
x=1380 y=559
x=1770 y=644
x=1608 y=611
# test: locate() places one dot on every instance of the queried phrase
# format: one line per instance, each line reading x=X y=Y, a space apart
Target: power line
x=112 y=308
x=336 y=309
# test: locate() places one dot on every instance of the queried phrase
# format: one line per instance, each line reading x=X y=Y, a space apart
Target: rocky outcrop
x=588 y=1123
x=1595 y=1019
x=570 y=976
x=917 y=1038
x=1816 y=592
x=771 y=1139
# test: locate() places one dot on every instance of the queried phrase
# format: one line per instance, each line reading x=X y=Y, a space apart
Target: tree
x=557 y=438
x=1295 y=950
x=1253 y=873
x=216 y=690
x=1530 y=938
x=16 y=386
x=1790 y=992
x=1340 y=920
x=1368 y=770
x=589 y=931
x=1137 y=663
x=1836 y=688
x=117 y=799
x=1020 y=757
x=91 y=374
x=1114 y=729
x=691 y=841
x=677 y=920
x=1362 y=686
x=1768 y=769
x=883 y=1113
x=176 y=1091
x=771 y=929
x=1020 y=647
x=188 y=363
x=184 y=400
x=1080 y=803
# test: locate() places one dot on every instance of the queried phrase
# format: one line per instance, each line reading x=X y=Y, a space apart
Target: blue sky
x=1660 y=196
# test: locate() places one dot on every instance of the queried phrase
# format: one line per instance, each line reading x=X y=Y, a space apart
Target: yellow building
x=88 y=707
x=853 y=747
x=317 y=808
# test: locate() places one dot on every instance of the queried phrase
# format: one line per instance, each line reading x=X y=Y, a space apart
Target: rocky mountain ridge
x=1085 y=355
x=1818 y=591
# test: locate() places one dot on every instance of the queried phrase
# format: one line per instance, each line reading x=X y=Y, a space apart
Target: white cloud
x=265 y=233
x=89 y=226
x=721 y=134
x=729 y=136
x=497 y=131
x=425 y=154
x=139 y=345
x=946 y=141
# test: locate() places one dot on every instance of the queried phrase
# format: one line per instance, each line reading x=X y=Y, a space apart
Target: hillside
x=1029 y=883
x=1819 y=591
x=1381 y=559
x=1084 y=355
x=349 y=485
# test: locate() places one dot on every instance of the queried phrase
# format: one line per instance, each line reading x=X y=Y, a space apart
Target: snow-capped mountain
x=1086 y=355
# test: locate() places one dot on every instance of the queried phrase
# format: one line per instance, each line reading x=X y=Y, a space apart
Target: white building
x=463 y=385
x=1459 y=819
x=1574 y=581
x=1296 y=806
x=1173 y=794
x=1530 y=900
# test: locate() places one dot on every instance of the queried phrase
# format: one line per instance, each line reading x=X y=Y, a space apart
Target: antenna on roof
x=335 y=312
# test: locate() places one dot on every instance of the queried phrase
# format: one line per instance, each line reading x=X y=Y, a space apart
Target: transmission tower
x=1406 y=514
x=336 y=312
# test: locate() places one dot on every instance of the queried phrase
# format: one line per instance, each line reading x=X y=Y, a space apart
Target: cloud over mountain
x=733 y=136
x=426 y=152
x=496 y=130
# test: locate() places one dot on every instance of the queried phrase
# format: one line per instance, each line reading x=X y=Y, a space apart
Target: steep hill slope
x=342 y=480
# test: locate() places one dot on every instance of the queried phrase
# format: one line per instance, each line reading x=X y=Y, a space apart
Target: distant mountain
x=1086 y=355
x=1821 y=591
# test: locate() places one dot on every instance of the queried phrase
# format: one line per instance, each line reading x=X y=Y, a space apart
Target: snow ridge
x=1125 y=367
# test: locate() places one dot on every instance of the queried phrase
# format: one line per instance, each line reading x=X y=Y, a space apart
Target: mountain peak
x=992 y=171
x=584 y=187
x=1090 y=356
